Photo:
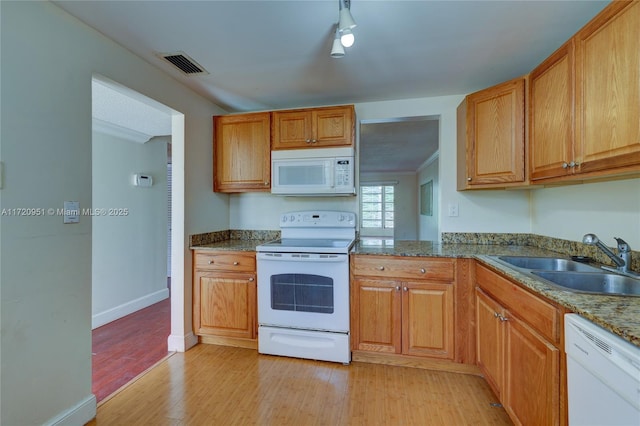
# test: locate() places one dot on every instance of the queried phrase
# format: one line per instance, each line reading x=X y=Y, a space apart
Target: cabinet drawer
x=225 y=261
x=405 y=268
x=539 y=314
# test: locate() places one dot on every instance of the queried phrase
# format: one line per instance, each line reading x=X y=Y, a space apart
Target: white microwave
x=318 y=171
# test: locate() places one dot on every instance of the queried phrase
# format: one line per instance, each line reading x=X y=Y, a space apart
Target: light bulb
x=347 y=38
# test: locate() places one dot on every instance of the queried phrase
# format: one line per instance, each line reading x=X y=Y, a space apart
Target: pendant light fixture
x=344 y=36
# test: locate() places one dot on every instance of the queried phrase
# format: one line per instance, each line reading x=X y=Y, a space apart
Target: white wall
x=607 y=209
x=48 y=59
x=261 y=211
x=428 y=229
x=484 y=211
x=129 y=251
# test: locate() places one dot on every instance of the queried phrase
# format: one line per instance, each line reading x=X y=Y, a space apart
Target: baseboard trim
x=80 y=414
x=127 y=308
x=177 y=343
x=415 y=362
x=230 y=341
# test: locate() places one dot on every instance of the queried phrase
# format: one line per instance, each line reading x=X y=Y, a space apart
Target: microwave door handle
x=332 y=173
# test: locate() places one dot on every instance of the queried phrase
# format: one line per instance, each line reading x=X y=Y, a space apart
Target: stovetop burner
x=307 y=245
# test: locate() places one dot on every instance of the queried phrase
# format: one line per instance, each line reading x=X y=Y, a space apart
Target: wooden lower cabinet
x=224 y=298
x=532 y=376
x=520 y=364
x=226 y=304
x=427 y=320
x=490 y=341
x=408 y=317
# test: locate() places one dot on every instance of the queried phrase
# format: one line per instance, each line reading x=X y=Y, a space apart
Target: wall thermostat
x=144 y=181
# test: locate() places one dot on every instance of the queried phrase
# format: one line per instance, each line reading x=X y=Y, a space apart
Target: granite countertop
x=618 y=314
x=231 y=245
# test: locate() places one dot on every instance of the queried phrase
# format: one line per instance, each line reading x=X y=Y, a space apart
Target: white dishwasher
x=603 y=375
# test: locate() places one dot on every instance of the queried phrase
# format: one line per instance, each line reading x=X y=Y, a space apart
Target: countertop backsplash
x=558 y=245
x=232 y=234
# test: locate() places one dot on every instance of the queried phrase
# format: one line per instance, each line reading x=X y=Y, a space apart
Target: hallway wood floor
x=124 y=348
x=218 y=385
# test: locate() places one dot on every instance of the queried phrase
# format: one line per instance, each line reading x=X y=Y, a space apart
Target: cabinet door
x=242 y=153
x=378 y=316
x=551 y=131
x=427 y=319
x=292 y=129
x=495 y=134
x=532 y=376
x=224 y=304
x=333 y=127
x=489 y=340
x=608 y=92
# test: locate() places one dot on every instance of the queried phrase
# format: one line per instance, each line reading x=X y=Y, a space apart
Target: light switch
x=453 y=210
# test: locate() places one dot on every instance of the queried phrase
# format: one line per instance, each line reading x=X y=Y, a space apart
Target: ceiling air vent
x=184 y=63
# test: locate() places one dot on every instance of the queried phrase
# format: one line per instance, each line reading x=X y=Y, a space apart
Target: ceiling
x=264 y=55
x=399 y=145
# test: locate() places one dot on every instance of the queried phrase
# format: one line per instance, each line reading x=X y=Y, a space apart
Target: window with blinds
x=376 y=209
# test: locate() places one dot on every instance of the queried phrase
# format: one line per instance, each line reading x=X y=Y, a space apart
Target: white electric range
x=303 y=287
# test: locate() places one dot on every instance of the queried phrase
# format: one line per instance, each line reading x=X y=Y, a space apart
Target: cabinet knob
x=266 y=183
x=210 y=262
x=381 y=268
x=503 y=318
x=574 y=164
x=565 y=165
x=405 y=289
x=314 y=141
x=397 y=288
x=308 y=141
x=235 y=263
x=251 y=279
x=468 y=179
x=496 y=315
x=422 y=270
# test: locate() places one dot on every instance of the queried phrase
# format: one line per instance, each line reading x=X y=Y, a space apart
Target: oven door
x=304 y=290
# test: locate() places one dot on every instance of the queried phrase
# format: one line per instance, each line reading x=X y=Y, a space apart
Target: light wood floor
x=218 y=385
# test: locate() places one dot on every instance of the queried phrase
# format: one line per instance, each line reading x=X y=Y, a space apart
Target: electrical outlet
x=453 y=210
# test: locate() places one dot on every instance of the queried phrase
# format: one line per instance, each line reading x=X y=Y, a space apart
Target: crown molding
x=112 y=129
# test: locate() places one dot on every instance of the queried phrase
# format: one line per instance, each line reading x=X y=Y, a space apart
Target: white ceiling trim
x=112 y=129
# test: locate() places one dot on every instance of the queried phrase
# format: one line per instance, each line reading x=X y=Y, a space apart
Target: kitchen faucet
x=622 y=259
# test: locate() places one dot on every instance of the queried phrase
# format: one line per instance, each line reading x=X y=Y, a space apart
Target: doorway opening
x=398 y=159
x=133 y=183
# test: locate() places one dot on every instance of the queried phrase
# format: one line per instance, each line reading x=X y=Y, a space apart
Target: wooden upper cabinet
x=313 y=128
x=551 y=115
x=608 y=91
x=491 y=137
x=584 y=101
x=242 y=152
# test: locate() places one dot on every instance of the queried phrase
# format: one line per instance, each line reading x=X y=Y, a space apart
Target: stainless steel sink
x=547 y=263
x=592 y=282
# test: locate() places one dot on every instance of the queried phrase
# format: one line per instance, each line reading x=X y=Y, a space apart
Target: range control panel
x=318 y=218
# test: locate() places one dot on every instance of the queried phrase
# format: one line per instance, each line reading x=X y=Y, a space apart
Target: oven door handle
x=291 y=257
